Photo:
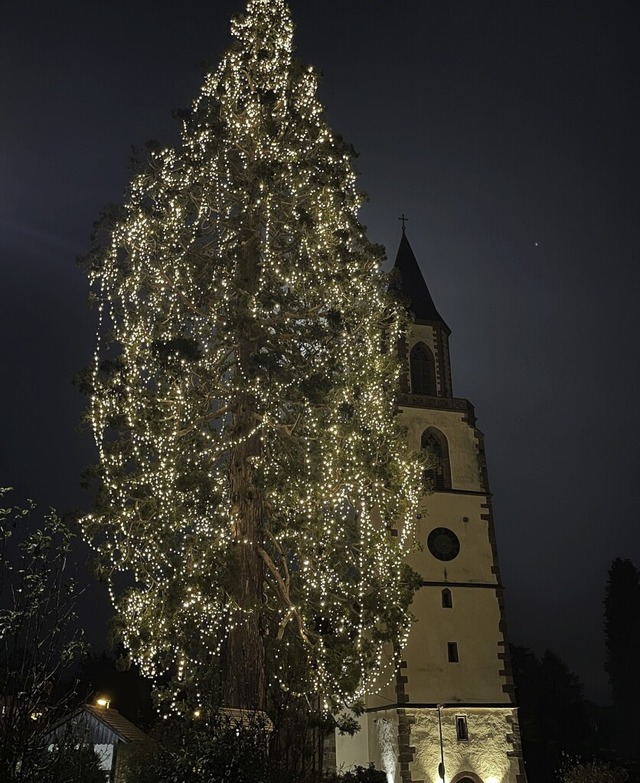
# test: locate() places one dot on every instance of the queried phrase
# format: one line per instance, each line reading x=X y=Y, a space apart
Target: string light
x=259 y=183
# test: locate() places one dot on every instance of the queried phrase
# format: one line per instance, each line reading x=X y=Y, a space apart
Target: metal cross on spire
x=404 y=220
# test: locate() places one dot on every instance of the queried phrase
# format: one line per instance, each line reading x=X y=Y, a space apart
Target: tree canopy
x=256 y=497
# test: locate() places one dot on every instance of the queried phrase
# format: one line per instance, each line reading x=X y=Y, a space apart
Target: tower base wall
x=480 y=744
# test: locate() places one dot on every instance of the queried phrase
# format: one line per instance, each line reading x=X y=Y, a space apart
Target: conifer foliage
x=622 y=637
x=256 y=500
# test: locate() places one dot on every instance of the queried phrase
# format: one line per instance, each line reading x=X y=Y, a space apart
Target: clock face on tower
x=443 y=543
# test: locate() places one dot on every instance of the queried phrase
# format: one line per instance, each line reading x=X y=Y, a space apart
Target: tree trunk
x=244 y=655
x=244 y=680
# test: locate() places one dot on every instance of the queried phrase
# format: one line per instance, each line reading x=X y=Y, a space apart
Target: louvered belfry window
x=423 y=371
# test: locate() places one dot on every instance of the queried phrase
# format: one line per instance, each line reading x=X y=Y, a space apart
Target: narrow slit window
x=462 y=731
x=452 y=652
x=447 y=599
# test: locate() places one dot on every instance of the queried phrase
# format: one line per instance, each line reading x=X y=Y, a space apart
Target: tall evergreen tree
x=552 y=712
x=622 y=635
x=254 y=486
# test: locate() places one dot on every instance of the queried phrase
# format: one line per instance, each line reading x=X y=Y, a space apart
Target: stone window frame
x=439 y=476
x=462 y=728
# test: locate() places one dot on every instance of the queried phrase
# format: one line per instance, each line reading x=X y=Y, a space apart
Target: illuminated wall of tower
x=450 y=715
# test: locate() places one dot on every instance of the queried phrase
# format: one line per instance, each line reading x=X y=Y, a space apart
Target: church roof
x=412 y=284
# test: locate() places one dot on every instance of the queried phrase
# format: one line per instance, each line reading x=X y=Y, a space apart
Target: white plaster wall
x=463 y=515
x=461 y=437
x=473 y=623
x=485 y=753
x=353 y=750
x=386 y=755
x=382 y=757
x=372 y=744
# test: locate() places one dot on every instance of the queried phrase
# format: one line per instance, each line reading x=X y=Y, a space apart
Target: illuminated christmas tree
x=256 y=500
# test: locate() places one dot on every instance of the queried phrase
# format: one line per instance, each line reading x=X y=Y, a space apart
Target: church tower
x=450 y=715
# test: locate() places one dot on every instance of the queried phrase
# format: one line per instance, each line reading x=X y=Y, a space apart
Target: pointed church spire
x=412 y=284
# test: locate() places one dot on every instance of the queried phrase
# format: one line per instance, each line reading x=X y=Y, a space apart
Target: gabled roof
x=105 y=725
x=127 y=731
x=412 y=284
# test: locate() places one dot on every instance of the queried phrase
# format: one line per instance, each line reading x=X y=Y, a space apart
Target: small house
x=112 y=736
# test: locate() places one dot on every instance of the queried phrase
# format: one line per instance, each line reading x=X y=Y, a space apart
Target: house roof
x=126 y=731
x=105 y=725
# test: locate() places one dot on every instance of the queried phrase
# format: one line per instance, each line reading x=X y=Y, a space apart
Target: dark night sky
x=506 y=129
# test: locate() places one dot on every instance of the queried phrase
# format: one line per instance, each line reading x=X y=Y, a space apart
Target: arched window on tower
x=437 y=474
x=423 y=370
x=447 y=599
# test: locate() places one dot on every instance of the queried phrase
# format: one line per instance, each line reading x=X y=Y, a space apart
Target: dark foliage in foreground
x=225 y=751
x=593 y=771
x=70 y=760
x=40 y=646
x=554 y=717
x=200 y=752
